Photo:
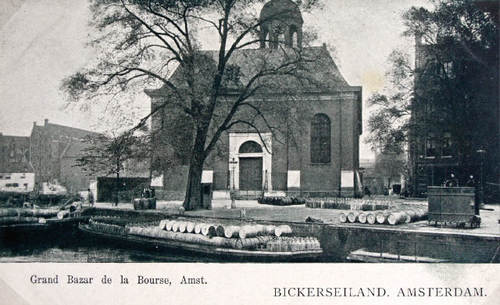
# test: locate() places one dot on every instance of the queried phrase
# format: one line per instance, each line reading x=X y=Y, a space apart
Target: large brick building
x=322 y=159
x=452 y=131
x=54 y=149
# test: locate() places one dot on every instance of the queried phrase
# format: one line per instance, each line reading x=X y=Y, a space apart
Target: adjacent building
x=16 y=172
x=54 y=149
x=455 y=124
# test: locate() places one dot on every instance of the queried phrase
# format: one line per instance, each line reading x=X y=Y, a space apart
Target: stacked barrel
x=246 y=236
x=390 y=217
x=348 y=204
x=109 y=228
x=281 y=200
x=21 y=216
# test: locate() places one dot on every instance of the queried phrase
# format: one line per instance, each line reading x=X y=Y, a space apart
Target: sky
x=43 y=41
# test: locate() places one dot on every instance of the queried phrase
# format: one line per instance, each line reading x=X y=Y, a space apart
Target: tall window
x=447 y=144
x=320 y=139
x=430 y=145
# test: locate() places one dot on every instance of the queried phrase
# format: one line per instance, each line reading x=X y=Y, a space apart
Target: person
x=91 y=197
x=145 y=193
x=367 y=191
x=452 y=182
x=472 y=183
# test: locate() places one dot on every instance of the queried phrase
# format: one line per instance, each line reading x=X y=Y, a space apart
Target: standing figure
x=90 y=197
x=472 y=183
x=452 y=182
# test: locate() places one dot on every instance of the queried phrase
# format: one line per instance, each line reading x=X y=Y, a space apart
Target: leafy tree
x=452 y=87
x=107 y=155
x=157 y=42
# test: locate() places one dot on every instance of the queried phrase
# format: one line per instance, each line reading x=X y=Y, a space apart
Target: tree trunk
x=117 y=184
x=193 y=198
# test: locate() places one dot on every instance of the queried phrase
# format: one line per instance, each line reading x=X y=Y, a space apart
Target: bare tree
x=142 y=43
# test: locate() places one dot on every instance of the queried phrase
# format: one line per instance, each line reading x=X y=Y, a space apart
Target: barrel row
x=9 y=220
x=107 y=228
x=269 y=243
x=342 y=204
x=286 y=244
x=156 y=232
x=282 y=201
x=227 y=231
x=47 y=213
x=394 y=217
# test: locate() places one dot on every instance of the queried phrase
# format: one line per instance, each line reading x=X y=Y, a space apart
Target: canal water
x=78 y=248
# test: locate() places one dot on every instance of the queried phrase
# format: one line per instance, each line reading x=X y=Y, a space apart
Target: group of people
x=452 y=181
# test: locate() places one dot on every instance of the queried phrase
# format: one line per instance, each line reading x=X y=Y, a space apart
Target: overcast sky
x=43 y=41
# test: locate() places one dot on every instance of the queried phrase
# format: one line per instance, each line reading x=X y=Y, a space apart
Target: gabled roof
x=57 y=131
x=316 y=73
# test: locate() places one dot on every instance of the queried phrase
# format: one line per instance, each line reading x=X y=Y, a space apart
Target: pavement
x=490 y=225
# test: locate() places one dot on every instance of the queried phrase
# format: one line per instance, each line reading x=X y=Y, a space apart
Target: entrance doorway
x=251 y=174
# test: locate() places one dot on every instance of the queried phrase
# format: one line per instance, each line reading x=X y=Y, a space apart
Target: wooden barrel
x=208 y=230
x=162 y=224
x=343 y=217
x=396 y=218
x=169 y=224
x=248 y=243
x=270 y=230
x=283 y=230
x=231 y=231
x=232 y=243
x=381 y=217
x=362 y=217
x=197 y=228
x=219 y=231
x=352 y=217
x=175 y=226
x=371 y=219
x=219 y=241
x=190 y=227
x=248 y=231
x=182 y=226
x=138 y=205
x=62 y=214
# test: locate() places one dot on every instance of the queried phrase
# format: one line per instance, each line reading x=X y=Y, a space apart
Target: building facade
x=53 y=152
x=456 y=130
x=315 y=152
x=16 y=172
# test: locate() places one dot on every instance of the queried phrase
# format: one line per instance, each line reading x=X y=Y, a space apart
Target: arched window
x=320 y=139
x=250 y=147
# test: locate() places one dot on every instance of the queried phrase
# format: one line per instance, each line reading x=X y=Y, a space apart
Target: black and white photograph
x=228 y=134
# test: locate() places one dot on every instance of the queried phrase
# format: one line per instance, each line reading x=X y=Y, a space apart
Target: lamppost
x=232 y=163
x=481 y=153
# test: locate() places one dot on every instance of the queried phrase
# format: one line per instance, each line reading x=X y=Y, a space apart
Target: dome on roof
x=282 y=10
x=281 y=22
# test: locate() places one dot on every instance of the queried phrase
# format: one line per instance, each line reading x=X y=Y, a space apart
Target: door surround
x=235 y=142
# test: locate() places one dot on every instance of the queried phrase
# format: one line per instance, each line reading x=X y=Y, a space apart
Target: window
x=320 y=139
x=446 y=145
x=430 y=146
x=250 y=147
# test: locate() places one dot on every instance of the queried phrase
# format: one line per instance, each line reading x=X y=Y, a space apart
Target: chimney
x=34 y=123
x=46 y=122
